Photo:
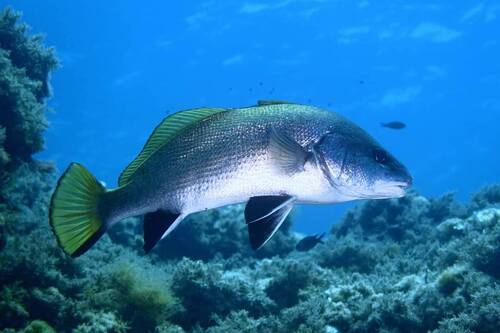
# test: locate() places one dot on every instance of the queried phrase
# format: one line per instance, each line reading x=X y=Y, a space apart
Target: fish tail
x=74 y=214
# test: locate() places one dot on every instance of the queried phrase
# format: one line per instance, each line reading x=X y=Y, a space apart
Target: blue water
x=434 y=65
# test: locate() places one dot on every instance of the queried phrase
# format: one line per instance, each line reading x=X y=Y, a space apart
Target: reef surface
x=402 y=265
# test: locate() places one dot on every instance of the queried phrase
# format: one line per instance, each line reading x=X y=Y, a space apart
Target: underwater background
x=105 y=73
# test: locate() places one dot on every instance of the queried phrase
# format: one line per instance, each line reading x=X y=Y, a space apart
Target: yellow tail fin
x=74 y=213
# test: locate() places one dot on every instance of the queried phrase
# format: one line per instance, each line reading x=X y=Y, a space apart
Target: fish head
x=357 y=167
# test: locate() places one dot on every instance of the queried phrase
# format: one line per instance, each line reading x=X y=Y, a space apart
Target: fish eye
x=380 y=156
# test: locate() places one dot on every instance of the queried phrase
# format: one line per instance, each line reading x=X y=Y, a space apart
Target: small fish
x=271 y=156
x=394 y=125
x=308 y=242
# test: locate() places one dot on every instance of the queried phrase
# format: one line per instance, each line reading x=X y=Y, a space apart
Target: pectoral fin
x=157 y=225
x=264 y=215
x=287 y=154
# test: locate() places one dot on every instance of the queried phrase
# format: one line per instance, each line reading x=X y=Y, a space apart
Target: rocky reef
x=402 y=265
x=25 y=66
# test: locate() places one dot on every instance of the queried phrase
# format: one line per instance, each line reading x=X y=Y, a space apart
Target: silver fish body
x=272 y=156
x=227 y=158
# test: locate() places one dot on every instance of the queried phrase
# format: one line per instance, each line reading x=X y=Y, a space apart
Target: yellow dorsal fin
x=169 y=127
x=264 y=102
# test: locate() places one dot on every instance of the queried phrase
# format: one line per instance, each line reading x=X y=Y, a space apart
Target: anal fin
x=264 y=215
x=157 y=225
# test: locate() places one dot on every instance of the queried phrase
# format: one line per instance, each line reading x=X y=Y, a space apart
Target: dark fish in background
x=394 y=125
x=308 y=242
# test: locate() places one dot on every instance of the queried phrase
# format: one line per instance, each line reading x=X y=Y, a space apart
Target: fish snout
x=403 y=181
x=395 y=185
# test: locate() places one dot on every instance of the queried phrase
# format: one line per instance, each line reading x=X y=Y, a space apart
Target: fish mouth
x=391 y=189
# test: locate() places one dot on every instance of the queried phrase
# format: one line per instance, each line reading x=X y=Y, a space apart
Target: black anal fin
x=157 y=225
x=264 y=215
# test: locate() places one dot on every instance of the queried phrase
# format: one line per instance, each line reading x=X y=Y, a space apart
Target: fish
x=271 y=156
x=308 y=242
x=394 y=125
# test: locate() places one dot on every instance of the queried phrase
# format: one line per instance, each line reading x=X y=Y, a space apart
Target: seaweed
x=205 y=290
x=25 y=66
x=142 y=301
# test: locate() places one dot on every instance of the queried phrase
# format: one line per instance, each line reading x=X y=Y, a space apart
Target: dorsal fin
x=169 y=127
x=264 y=102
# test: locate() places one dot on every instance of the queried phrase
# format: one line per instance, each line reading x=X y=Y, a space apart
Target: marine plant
x=38 y=326
x=196 y=283
x=25 y=66
x=139 y=297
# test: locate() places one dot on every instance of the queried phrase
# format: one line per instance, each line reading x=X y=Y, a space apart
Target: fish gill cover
x=412 y=264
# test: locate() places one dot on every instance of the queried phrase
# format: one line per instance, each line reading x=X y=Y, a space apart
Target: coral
x=142 y=301
x=101 y=322
x=487 y=247
x=488 y=196
x=4 y=157
x=25 y=198
x=38 y=326
x=3 y=236
x=25 y=65
x=450 y=279
x=289 y=280
x=14 y=314
x=349 y=255
x=197 y=283
x=452 y=227
x=169 y=328
x=445 y=207
x=128 y=233
x=236 y=321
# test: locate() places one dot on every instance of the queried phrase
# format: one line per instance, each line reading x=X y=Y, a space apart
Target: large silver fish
x=273 y=156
